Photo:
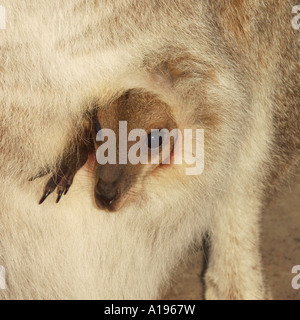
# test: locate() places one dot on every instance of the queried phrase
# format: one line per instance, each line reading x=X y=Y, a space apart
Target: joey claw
x=67 y=189
x=45 y=196
x=50 y=187
x=62 y=177
x=60 y=194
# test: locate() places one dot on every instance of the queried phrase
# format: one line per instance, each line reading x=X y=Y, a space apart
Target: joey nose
x=104 y=200
x=106 y=194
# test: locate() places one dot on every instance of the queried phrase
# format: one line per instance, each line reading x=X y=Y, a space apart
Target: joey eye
x=97 y=127
x=155 y=139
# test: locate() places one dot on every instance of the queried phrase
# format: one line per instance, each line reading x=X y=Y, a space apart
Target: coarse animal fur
x=229 y=67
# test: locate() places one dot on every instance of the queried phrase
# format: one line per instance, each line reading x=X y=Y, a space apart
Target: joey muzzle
x=109 y=187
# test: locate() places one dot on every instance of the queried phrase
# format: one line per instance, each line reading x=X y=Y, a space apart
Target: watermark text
x=155 y=148
x=296 y=279
x=296 y=19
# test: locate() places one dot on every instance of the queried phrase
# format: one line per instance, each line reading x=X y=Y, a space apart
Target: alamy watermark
x=296 y=19
x=2 y=278
x=156 y=147
x=2 y=18
x=296 y=279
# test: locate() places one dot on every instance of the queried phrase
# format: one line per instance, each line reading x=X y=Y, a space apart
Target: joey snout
x=110 y=187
